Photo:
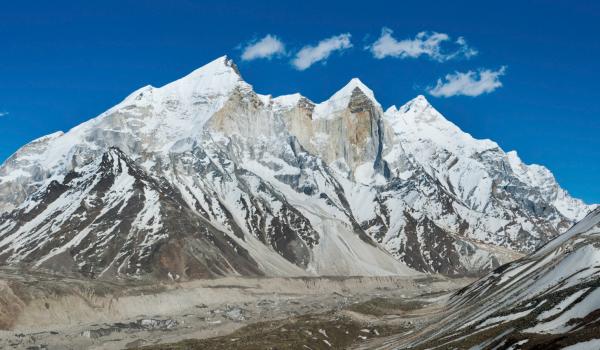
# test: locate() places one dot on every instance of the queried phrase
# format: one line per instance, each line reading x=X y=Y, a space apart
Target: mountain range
x=205 y=177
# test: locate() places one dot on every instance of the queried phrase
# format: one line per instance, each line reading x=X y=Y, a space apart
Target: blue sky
x=62 y=63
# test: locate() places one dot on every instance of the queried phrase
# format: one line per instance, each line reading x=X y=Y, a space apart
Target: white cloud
x=3 y=114
x=469 y=83
x=267 y=47
x=310 y=55
x=425 y=43
x=464 y=49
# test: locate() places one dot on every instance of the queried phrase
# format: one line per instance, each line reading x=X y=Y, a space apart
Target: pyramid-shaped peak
x=355 y=82
x=420 y=100
x=342 y=99
x=352 y=85
x=219 y=66
x=417 y=104
x=218 y=76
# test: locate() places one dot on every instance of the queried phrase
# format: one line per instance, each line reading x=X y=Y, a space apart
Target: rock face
x=205 y=177
x=547 y=300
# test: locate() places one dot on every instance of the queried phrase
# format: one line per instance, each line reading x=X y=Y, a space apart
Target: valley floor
x=47 y=311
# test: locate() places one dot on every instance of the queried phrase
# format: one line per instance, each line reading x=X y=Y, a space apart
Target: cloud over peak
x=424 y=44
x=469 y=83
x=309 y=55
x=267 y=47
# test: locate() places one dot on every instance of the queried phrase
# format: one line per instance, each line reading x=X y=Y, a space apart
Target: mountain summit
x=204 y=177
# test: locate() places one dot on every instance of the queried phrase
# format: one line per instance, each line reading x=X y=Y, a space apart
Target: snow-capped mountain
x=547 y=300
x=205 y=177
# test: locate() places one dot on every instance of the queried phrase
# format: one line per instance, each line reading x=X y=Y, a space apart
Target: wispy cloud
x=310 y=55
x=267 y=47
x=3 y=114
x=425 y=43
x=469 y=83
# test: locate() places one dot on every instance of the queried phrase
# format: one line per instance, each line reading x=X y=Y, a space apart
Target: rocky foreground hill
x=547 y=300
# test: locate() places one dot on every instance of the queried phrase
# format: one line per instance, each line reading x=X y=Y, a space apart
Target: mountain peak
x=419 y=103
x=216 y=77
x=219 y=65
x=352 y=85
x=341 y=99
x=419 y=121
x=418 y=108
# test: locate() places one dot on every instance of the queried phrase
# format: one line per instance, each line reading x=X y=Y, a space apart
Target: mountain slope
x=109 y=218
x=294 y=187
x=547 y=300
